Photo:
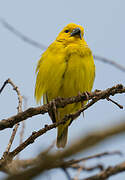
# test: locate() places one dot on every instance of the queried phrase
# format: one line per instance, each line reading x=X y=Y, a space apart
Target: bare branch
x=110 y=62
x=62 y=102
x=72 y=162
x=21 y=35
x=35 y=135
x=32 y=138
x=42 y=47
x=83 y=144
x=54 y=160
x=110 y=171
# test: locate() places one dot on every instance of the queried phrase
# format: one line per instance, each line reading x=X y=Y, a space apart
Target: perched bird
x=65 y=69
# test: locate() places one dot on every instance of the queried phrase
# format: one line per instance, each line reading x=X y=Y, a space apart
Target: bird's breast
x=75 y=77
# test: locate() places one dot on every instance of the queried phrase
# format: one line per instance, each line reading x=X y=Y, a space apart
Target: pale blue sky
x=104 y=26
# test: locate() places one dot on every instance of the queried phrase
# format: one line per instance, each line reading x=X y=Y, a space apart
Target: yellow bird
x=65 y=69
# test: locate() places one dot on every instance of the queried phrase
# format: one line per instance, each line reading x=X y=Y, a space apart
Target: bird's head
x=71 y=33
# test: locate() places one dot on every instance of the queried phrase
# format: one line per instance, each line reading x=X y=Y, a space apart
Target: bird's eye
x=66 y=31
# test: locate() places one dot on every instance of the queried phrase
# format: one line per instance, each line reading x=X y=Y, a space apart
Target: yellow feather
x=65 y=69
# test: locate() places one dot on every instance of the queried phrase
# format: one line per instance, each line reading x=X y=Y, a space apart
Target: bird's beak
x=76 y=32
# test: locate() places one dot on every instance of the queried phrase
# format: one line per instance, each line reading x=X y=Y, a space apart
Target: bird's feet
x=87 y=97
x=54 y=107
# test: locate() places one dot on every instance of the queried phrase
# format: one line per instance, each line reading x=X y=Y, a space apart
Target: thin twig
x=110 y=62
x=23 y=122
x=22 y=132
x=71 y=162
x=32 y=138
x=119 y=105
x=84 y=168
x=19 y=108
x=8 y=81
x=66 y=173
x=21 y=35
x=4 y=84
x=108 y=172
x=11 y=140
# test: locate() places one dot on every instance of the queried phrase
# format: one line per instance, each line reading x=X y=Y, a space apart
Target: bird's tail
x=62 y=136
